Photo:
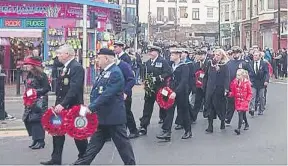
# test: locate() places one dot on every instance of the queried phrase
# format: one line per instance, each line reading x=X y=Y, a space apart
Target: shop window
x=270 y=4
x=195 y=14
x=226 y=12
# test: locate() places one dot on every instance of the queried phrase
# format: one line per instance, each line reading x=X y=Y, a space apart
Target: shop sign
x=12 y=23
x=30 y=23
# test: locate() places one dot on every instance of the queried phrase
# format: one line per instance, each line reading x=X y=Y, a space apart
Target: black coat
x=180 y=79
x=126 y=58
x=258 y=79
x=70 y=85
x=42 y=87
x=159 y=69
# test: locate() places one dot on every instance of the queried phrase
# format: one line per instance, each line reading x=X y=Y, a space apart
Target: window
x=129 y=1
x=131 y=12
x=160 y=1
x=160 y=13
x=171 y=14
x=210 y=12
x=195 y=1
x=226 y=13
x=171 y=0
x=247 y=8
x=270 y=4
x=239 y=10
x=183 y=12
x=183 y=1
x=261 y=5
x=195 y=14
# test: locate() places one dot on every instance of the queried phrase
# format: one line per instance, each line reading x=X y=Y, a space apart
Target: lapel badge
x=107 y=74
x=66 y=81
x=100 y=91
x=158 y=64
x=63 y=71
x=240 y=66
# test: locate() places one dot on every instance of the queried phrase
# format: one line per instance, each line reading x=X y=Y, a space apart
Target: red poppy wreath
x=29 y=97
x=54 y=123
x=80 y=127
x=163 y=98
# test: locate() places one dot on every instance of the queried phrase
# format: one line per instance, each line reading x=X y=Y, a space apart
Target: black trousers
x=199 y=98
x=179 y=120
x=182 y=104
x=162 y=114
x=131 y=124
x=35 y=130
x=230 y=109
x=216 y=105
x=148 y=110
x=58 y=143
x=118 y=133
x=242 y=116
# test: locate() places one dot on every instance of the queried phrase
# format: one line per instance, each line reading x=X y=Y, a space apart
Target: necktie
x=257 y=69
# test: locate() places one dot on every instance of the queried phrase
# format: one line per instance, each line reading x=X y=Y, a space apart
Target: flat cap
x=154 y=48
x=236 y=49
x=119 y=43
x=106 y=51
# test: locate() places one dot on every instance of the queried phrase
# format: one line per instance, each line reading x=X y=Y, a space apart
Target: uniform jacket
x=180 y=79
x=234 y=65
x=126 y=58
x=106 y=98
x=191 y=75
x=42 y=87
x=128 y=76
x=242 y=93
x=258 y=79
x=70 y=85
x=160 y=69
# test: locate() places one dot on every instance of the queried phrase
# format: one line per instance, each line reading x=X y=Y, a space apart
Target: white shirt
x=108 y=66
x=258 y=65
x=66 y=64
x=121 y=53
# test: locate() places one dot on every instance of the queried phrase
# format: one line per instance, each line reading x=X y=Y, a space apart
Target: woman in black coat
x=36 y=79
x=216 y=88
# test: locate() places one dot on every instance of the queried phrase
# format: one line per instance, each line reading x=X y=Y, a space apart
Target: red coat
x=242 y=93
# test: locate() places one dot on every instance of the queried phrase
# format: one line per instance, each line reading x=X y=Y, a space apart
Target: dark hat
x=106 y=51
x=119 y=43
x=154 y=48
x=34 y=60
x=236 y=49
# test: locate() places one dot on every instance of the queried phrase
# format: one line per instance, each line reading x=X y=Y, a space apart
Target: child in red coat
x=242 y=92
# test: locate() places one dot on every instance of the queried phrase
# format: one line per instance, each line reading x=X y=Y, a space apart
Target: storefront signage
x=47 y=10
x=12 y=23
x=30 y=23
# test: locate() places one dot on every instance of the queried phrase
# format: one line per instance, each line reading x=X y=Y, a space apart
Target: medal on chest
x=100 y=91
x=107 y=74
x=240 y=66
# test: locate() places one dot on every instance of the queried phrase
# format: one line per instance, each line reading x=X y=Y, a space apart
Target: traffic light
x=93 y=20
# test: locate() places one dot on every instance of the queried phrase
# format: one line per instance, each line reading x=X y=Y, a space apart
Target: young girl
x=242 y=92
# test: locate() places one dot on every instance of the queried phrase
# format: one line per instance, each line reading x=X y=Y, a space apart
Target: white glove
x=83 y=111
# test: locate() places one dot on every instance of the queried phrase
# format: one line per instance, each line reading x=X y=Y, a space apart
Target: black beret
x=119 y=43
x=106 y=51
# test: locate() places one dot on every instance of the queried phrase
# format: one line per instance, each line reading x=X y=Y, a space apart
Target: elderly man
x=107 y=101
x=69 y=92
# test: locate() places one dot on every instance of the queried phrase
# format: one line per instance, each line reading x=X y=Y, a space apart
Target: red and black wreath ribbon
x=29 y=97
x=77 y=132
x=165 y=102
x=54 y=123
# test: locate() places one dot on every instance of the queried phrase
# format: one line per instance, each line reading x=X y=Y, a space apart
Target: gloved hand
x=84 y=111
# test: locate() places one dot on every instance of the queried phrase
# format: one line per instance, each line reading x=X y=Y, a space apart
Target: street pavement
x=265 y=142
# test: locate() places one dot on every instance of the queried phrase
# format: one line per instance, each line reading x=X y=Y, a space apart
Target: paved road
x=264 y=143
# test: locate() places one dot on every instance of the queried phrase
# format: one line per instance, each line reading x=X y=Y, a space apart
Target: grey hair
x=66 y=48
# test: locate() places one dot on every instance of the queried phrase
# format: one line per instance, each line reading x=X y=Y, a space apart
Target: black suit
x=126 y=58
x=69 y=94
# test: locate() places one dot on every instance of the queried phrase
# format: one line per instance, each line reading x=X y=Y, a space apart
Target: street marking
x=19 y=133
x=277 y=82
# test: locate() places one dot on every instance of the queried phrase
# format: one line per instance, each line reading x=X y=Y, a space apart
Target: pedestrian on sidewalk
x=36 y=79
x=241 y=91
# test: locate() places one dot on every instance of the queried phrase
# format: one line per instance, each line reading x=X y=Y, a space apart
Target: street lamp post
x=279 y=25
x=149 y=22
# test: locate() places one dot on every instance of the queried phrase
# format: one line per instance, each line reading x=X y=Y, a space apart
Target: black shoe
x=133 y=135
x=260 y=113
x=178 y=127
x=187 y=135
x=161 y=121
x=50 y=162
x=142 y=131
x=222 y=126
x=38 y=145
x=251 y=113
x=166 y=135
x=246 y=127
x=33 y=144
x=237 y=131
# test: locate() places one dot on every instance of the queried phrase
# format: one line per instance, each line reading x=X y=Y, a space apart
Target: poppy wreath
x=29 y=97
x=80 y=127
x=52 y=123
x=199 y=79
x=165 y=102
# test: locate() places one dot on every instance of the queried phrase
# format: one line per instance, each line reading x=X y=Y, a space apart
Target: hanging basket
x=163 y=98
x=80 y=127
x=54 y=123
x=29 y=97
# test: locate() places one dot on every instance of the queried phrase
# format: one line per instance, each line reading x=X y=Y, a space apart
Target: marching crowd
x=212 y=80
